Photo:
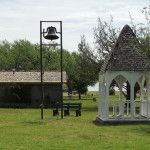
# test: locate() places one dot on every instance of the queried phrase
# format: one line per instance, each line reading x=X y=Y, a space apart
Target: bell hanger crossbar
x=51 y=21
x=51 y=44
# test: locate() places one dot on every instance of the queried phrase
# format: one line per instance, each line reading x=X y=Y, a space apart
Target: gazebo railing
x=123 y=108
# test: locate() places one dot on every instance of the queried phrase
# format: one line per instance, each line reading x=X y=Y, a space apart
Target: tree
x=80 y=70
x=24 y=56
x=105 y=36
x=90 y=61
x=142 y=30
x=5 y=47
x=145 y=40
x=78 y=78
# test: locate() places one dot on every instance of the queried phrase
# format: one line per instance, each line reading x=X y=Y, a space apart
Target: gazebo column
x=142 y=93
x=107 y=102
x=121 y=109
x=144 y=104
x=141 y=97
x=148 y=98
x=102 y=102
x=132 y=105
x=142 y=88
x=148 y=89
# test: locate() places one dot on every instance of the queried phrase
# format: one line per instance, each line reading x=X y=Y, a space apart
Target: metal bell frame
x=50 y=37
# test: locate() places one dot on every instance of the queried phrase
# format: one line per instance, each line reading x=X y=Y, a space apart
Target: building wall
x=2 y=93
x=29 y=95
x=52 y=93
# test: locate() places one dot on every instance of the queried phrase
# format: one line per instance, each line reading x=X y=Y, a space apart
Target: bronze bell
x=51 y=33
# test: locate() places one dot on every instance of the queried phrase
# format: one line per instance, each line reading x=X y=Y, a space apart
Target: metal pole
x=61 y=65
x=41 y=64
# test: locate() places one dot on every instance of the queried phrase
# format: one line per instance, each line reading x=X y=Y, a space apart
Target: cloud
x=20 y=18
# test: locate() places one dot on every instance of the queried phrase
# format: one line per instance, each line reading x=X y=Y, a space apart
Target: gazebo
x=127 y=66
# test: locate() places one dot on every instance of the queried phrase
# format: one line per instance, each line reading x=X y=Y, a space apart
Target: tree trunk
x=79 y=95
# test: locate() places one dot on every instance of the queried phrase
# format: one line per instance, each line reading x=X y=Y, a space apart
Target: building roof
x=127 y=54
x=31 y=77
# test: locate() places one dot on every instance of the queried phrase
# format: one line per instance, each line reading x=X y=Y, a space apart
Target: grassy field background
x=22 y=129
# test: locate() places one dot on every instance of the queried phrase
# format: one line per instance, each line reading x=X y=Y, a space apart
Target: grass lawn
x=22 y=129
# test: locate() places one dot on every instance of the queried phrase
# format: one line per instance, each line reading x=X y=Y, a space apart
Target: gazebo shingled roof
x=127 y=54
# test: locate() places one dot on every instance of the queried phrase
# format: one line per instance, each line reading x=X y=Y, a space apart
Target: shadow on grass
x=97 y=123
x=90 y=109
x=34 y=123
x=143 y=129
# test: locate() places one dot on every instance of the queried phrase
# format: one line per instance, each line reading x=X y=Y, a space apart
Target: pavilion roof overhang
x=31 y=77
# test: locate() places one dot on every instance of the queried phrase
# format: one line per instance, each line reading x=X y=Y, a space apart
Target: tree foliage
x=142 y=30
x=105 y=36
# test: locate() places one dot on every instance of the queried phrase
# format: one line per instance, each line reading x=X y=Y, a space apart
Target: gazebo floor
x=123 y=120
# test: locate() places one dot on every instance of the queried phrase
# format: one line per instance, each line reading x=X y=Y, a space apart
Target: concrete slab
x=122 y=121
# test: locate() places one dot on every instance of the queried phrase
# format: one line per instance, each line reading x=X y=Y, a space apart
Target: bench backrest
x=68 y=105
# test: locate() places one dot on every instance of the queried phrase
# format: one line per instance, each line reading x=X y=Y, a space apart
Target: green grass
x=22 y=129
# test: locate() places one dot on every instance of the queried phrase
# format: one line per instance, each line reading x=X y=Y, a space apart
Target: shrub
x=111 y=92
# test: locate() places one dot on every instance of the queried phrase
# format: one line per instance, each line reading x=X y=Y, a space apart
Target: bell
x=51 y=33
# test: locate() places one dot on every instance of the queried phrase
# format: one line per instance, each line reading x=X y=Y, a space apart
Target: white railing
x=124 y=108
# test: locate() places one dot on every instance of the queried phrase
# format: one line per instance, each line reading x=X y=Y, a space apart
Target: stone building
x=127 y=64
x=23 y=89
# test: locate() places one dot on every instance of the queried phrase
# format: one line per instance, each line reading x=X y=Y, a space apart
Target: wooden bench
x=67 y=107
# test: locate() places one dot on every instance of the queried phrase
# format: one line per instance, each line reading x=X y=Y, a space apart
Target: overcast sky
x=19 y=19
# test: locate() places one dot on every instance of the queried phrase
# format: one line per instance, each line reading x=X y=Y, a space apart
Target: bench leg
x=55 y=112
x=66 y=113
x=79 y=112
